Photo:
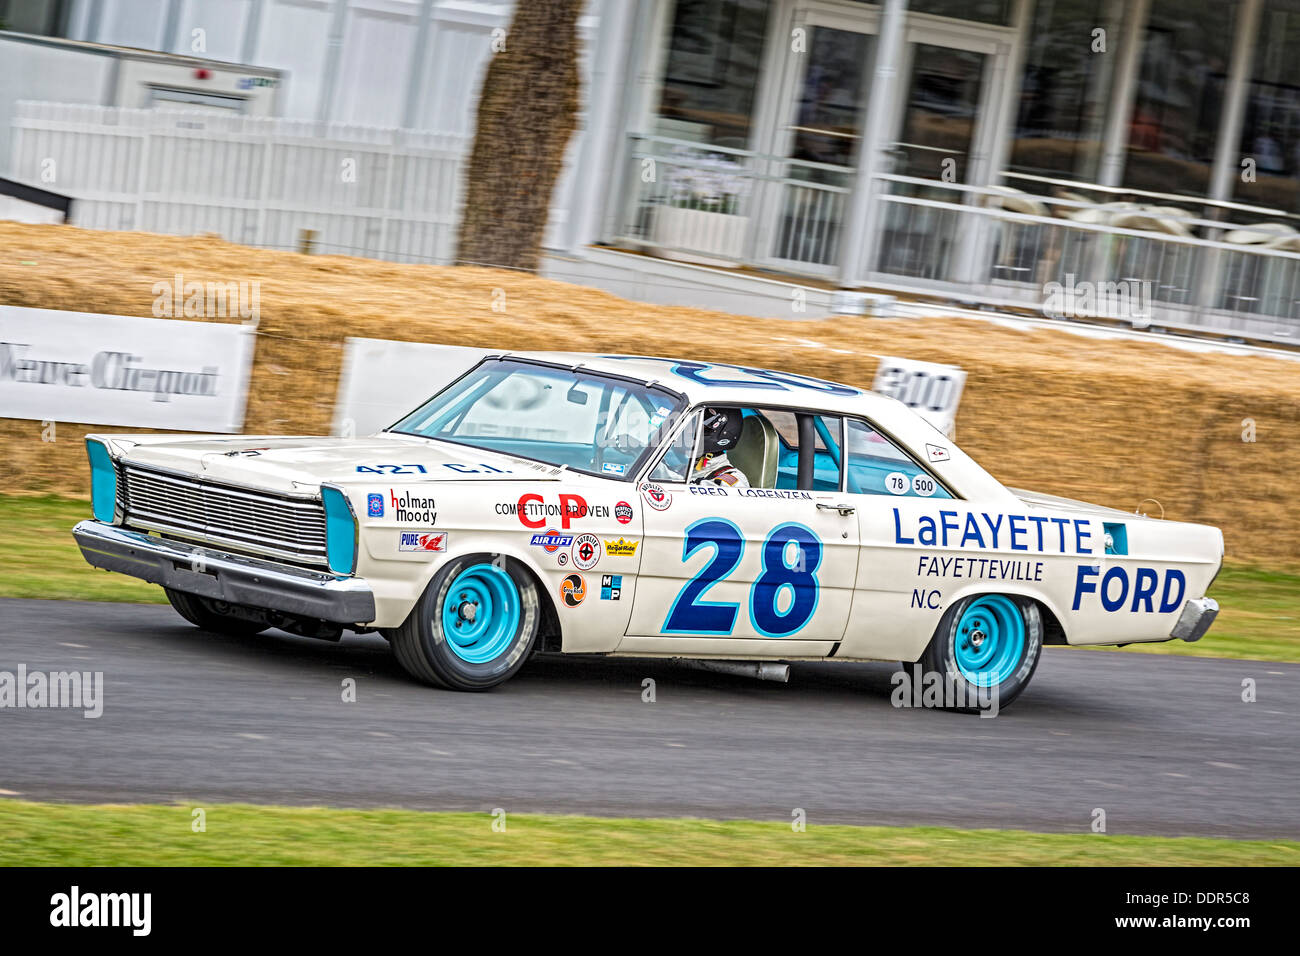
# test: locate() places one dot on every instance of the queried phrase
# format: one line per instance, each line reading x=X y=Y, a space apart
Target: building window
x=711 y=71
x=997 y=12
x=41 y=17
x=1174 y=125
x=1268 y=169
x=1065 y=90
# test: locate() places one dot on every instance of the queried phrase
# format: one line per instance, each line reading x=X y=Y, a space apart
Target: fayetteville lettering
x=991 y=569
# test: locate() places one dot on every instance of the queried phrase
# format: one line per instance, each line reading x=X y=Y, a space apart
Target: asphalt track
x=1163 y=745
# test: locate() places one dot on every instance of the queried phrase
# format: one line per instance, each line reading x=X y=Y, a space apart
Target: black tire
x=423 y=649
x=215 y=616
x=941 y=656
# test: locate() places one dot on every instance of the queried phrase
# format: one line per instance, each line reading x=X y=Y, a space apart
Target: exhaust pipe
x=759 y=670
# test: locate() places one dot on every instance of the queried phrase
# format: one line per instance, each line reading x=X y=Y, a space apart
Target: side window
x=877 y=467
x=676 y=461
x=770 y=445
x=821 y=434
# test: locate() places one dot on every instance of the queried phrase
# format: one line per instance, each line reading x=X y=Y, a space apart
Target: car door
x=766 y=571
x=899 y=598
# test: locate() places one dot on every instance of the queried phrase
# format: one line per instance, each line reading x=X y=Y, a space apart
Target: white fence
x=370 y=191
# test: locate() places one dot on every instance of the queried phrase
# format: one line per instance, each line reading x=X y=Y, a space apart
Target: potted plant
x=700 y=218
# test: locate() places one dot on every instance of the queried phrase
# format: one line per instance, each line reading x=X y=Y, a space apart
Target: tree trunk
x=526 y=113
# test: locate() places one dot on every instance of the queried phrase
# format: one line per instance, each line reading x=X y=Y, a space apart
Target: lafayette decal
x=982 y=530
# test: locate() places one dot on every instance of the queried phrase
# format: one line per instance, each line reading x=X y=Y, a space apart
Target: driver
x=721 y=432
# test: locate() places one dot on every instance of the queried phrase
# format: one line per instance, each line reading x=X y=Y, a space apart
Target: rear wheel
x=474 y=626
x=988 y=643
x=213 y=615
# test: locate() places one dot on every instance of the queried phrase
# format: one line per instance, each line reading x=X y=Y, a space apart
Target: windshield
x=576 y=418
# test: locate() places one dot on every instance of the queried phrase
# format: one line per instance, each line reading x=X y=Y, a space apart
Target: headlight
x=103 y=481
x=340 y=531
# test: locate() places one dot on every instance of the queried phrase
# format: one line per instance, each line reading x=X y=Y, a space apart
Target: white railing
x=1001 y=246
x=368 y=191
x=1004 y=247
x=725 y=206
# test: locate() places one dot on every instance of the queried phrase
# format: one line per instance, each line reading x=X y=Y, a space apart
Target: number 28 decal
x=791 y=556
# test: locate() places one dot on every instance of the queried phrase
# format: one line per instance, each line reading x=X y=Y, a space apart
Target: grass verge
x=1260 y=617
x=46 y=834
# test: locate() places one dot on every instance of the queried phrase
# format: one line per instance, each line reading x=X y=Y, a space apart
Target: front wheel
x=988 y=644
x=214 y=615
x=473 y=627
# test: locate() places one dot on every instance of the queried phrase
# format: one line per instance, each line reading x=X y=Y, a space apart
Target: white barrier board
x=123 y=370
x=383 y=380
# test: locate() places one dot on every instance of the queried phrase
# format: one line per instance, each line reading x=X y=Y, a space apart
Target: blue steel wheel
x=986 y=645
x=475 y=625
x=990 y=640
x=480 y=613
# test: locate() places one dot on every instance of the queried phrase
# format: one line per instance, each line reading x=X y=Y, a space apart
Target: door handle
x=844 y=509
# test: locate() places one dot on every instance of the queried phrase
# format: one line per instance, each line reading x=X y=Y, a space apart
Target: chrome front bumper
x=1197 y=616
x=226 y=577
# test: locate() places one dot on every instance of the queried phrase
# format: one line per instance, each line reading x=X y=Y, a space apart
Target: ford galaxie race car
x=546 y=501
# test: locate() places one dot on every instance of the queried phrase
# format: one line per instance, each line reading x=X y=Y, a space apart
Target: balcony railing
x=1143 y=262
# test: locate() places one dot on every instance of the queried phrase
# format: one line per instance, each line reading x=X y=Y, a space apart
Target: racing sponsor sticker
x=375 y=505
x=422 y=541
x=621 y=548
x=533 y=510
x=623 y=512
x=613 y=468
x=586 y=551
x=562 y=559
x=572 y=590
x=611 y=587
x=936 y=452
x=896 y=483
x=655 y=496
x=551 y=540
x=413 y=509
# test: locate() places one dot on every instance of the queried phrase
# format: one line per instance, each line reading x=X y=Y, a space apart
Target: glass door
x=945 y=119
x=815 y=146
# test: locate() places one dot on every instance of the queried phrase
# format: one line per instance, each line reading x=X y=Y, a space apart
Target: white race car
x=548 y=501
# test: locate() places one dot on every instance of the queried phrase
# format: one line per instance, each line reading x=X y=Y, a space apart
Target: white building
x=986 y=150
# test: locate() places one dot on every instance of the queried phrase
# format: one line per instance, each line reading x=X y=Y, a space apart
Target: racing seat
x=756 y=452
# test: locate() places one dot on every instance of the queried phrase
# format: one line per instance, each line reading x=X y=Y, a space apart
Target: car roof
x=722 y=383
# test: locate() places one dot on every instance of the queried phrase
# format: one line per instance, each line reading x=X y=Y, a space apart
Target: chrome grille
x=241 y=519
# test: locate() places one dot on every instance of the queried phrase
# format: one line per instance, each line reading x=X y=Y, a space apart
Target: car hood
x=302 y=464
